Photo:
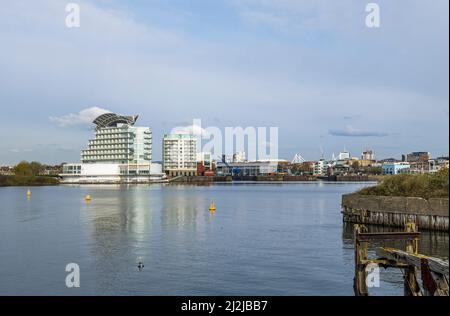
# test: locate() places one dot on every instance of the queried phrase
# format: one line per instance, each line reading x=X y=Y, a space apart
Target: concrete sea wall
x=395 y=211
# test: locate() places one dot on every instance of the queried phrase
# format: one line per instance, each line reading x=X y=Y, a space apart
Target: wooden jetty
x=434 y=272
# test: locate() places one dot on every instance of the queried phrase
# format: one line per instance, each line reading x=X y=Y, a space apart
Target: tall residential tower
x=180 y=155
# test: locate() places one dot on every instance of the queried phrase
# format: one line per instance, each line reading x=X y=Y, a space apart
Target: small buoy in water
x=28 y=193
x=140 y=265
x=88 y=198
x=212 y=207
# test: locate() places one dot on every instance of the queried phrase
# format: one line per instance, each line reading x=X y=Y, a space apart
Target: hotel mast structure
x=119 y=153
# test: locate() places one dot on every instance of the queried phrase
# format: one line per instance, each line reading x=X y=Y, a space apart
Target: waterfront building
x=418 y=156
x=227 y=158
x=51 y=170
x=204 y=163
x=365 y=163
x=395 y=167
x=119 y=153
x=344 y=155
x=254 y=168
x=180 y=155
x=389 y=160
x=304 y=168
x=205 y=158
x=422 y=167
x=6 y=170
x=368 y=155
x=340 y=168
x=118 y=141
x=239 y=157
x=320 y=167
x=443 y=162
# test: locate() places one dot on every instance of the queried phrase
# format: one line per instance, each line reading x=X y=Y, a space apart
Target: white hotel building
x=119 y=153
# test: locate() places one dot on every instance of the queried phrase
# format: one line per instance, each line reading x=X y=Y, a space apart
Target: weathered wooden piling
x=411 y=286
x=361 y=257
x=434 y=271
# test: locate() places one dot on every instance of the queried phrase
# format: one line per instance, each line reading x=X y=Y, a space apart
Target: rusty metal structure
x=433 y=272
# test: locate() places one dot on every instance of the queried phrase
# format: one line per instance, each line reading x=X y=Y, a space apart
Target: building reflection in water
x=119 y=221
x=130 y=222
x=184 y=213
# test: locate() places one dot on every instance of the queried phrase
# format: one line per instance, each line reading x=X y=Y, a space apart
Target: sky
x=311 y=68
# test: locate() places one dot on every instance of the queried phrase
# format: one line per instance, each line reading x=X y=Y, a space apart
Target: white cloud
x=169 y=73
x=349 y=131
x=84 y=117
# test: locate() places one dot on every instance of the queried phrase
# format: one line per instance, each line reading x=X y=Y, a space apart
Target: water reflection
x=263 y=239
x=391 y=280
x=119 y=224
x=432 y=243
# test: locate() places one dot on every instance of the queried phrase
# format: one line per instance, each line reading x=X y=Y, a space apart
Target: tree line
x=28 y=173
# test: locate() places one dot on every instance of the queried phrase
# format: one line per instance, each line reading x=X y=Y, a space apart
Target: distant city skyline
x=311 y=68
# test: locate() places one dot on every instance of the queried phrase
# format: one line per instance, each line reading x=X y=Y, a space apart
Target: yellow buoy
x=88 y=198
x=28 y=193
x=212 y=207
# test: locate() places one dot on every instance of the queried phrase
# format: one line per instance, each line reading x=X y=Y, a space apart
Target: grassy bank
x=27 y=180
x=424 y=185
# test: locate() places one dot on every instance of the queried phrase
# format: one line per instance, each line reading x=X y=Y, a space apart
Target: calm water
x=264 y=239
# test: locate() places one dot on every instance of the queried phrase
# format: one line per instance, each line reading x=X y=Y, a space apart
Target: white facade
x=180 y=154
x=395 y=168
x=368 y=155
x=239 y=157
x=120 y=144
x=345 y=155
x=119 y=153
x=320 y=167
x=111 y=173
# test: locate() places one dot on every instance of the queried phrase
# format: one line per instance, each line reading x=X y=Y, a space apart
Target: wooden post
x=361 y=256
x=411 y=286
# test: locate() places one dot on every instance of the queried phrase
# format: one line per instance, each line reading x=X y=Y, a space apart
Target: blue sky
x=311 y=68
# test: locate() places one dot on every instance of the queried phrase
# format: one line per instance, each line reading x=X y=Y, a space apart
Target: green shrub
x=423 y=185
x=27 y=180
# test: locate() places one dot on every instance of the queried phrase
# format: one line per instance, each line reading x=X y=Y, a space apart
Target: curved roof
x=112 y=119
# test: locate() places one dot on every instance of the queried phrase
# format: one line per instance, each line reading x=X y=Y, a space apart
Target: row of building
x=416 y=163
x=121 y=152
x=344 y=164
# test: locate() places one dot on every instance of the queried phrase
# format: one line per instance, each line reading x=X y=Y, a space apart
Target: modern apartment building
x=180 y=155
x=119 y=152
x=320 y=167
